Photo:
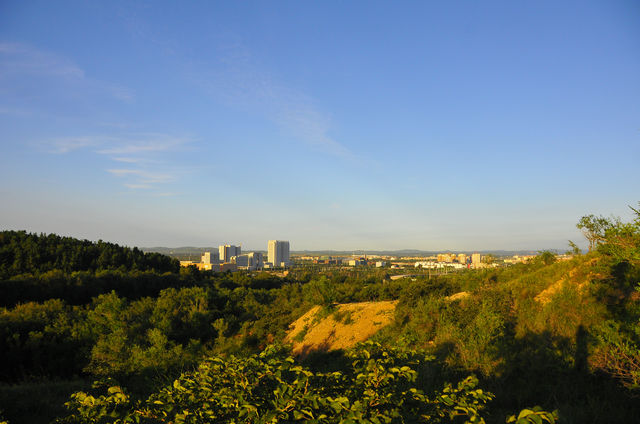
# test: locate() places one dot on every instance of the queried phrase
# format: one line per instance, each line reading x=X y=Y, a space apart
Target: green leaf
x=525 y=413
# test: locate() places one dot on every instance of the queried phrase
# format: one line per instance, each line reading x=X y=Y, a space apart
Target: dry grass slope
x=577 y=277
x=347 y=325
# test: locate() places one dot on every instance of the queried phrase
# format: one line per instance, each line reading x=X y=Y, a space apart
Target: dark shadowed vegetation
x=564 y=335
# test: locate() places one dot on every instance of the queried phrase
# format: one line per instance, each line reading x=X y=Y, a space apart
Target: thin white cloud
x=138 y=186
x=244 y=84
x=133 y=147
x=304 y=122
x=69 y=144
x=143 y=143
x=147 y=154
x=22 y=59
x=19 y=60
x=142 y=178
x=134 y=160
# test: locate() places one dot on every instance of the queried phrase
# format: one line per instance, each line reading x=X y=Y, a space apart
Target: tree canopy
x=29 y=253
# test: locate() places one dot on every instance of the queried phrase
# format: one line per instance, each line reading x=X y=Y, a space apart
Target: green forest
x=99 y=333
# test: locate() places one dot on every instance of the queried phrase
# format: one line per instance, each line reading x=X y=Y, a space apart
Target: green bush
x=378 y=386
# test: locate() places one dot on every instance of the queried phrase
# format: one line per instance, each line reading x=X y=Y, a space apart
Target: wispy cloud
x=19 y=60
x=137 y=186
x=23 y=59
x=135 y=147
x=143 y=143
x=143 y=178
x=68 y=144
x=147 y=154
x=244 y=84
x=133 y=160
x=119 y=92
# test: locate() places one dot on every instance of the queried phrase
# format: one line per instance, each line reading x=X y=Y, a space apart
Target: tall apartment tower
x=227 y=251
x=278 y=253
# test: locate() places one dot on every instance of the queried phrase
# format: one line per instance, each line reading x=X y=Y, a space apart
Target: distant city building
x=228 y=266
x=446 y=257
x=210 y=258
x=227 y=251
x=438 y=265
x=250 y=261
x=202 y=266
x=462 y=258
x=278 y=253
x=209 y=267
x=476 y=259
x=519 y=259
x=357 y=262
x=256 y=259
x=380 y=264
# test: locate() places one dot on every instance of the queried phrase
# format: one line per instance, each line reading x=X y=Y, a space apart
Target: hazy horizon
x=362 y=126
x=345 y=252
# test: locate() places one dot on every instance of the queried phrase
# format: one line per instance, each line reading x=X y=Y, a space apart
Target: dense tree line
x=79 y=287
x=28 y=253
x=548 y=332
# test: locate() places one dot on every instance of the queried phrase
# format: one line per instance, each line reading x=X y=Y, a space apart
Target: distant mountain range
x=197 y=251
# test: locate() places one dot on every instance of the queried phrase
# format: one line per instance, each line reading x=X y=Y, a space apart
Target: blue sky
x=335 y=125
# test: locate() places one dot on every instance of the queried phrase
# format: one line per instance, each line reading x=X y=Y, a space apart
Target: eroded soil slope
x=339 y=327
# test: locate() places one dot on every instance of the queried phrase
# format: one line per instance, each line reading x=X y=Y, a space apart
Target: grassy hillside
x=562 y=335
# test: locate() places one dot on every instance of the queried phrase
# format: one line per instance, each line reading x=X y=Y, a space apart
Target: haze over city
x=364 y=125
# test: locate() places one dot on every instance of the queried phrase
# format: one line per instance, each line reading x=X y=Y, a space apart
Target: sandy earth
x=357 y=322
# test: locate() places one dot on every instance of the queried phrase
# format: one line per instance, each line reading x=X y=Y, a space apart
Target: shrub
x=377 y=386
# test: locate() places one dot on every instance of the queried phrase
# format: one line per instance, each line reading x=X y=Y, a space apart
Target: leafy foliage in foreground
x=547 y=332
x=377 y=386
x=533 y=416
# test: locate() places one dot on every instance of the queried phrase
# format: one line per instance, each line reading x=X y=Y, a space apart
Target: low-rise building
x=228 y=266
x=250 y=261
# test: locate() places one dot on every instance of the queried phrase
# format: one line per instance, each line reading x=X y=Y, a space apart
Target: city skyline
x=361 y=126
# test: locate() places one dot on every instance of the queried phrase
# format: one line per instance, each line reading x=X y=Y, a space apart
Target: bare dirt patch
x=458 y=296
x=341 y=328
x=577 y=277
x=547 y=294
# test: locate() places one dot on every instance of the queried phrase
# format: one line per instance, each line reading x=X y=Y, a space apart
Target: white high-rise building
x=227 y=251
x=278 y=253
